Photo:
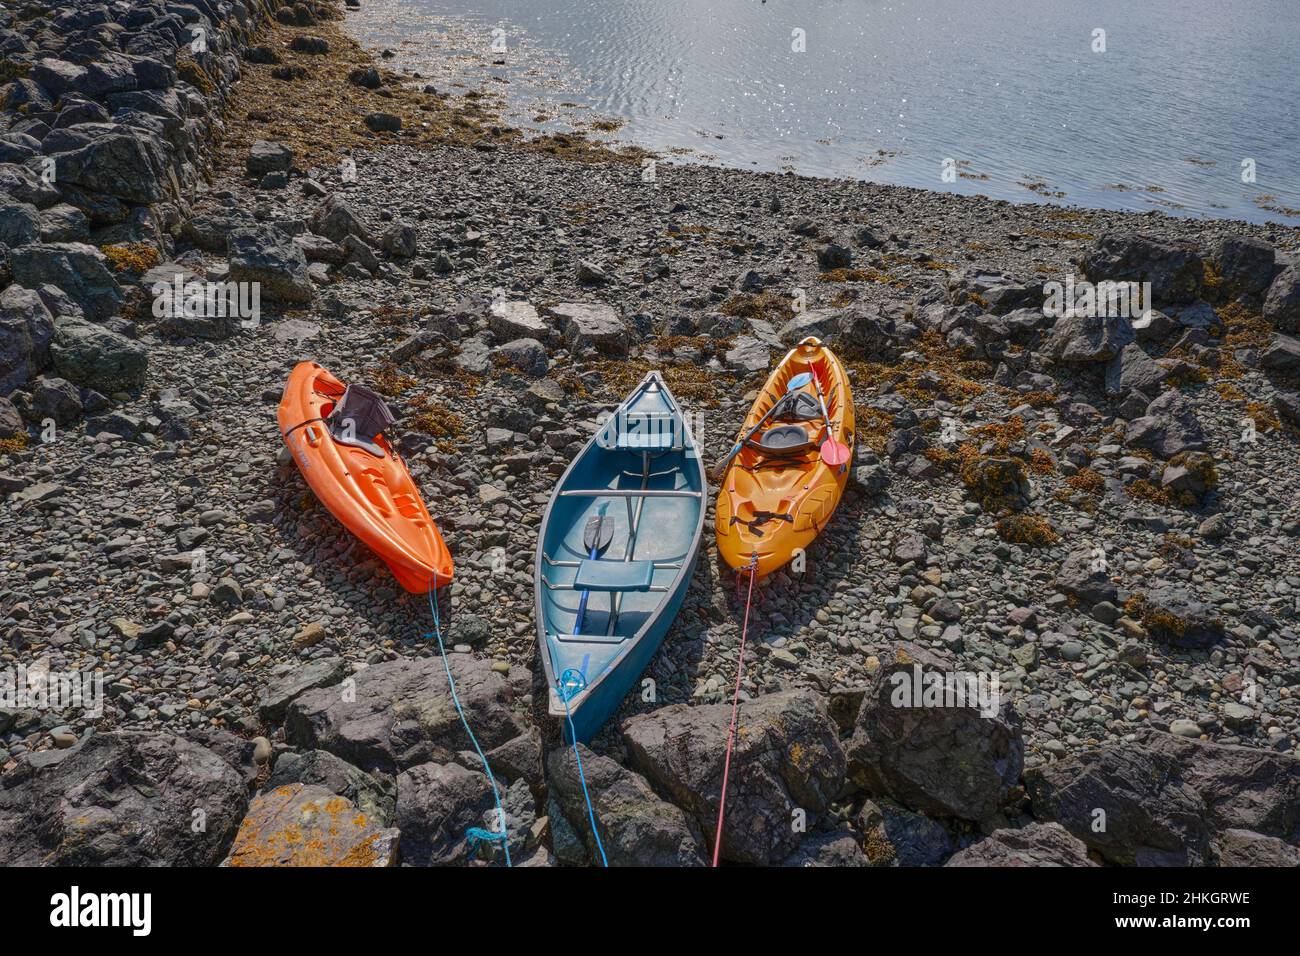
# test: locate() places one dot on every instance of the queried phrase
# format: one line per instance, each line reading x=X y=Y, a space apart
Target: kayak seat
x=799 y=407
x=597 y=575
x=784 y=440
x=359 y=418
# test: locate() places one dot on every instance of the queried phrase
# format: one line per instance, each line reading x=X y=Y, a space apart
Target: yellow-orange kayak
x=778 y=494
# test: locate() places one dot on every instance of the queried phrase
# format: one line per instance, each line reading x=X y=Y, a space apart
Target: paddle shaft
x=796 y=383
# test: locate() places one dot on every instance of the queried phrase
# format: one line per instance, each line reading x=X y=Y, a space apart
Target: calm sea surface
x=1013 y=99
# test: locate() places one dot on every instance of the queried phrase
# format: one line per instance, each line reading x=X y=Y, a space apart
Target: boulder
x=11 y=425
x=268 y=157
x=130 y=166
x=1159 y=800
x=636 y=826
x=26 y=330
x=787 y=758
x=20 y=222
x=22 y=185
x=123 y=798
x=1133 y=370
x=269 y=257
x=1282 y=354
x=1174 y=617
x=749 y=355
x=947 y=754
x=1079 y=337
x=53 y=398
x=374 y=793
x=399 y=240
x=589 y=325
x=1282 y=303
x=298 y=825
x=288 y=681
x=1245 y=848
x=516 y=320
x=1082 y=576
x=1174 y=269
x=400 y=713
x=828 y=848
x=78 y=269
x=336 y=220
x=96 y=357
x=895 y=836
x=526 y=355
x=1039 y=844
x=1169 y=427
x=437 y=804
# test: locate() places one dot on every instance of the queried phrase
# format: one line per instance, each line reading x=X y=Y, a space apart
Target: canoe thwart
x=627 y=493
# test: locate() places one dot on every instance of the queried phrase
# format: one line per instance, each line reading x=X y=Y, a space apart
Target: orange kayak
x=357 y=475
x=778 y=494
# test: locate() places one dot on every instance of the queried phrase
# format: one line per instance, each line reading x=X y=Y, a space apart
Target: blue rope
x=474 y=834
x=575 y=682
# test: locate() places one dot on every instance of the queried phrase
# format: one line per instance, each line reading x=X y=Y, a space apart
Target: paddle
x=796 y=383
x=596 y=536
x=834 y=453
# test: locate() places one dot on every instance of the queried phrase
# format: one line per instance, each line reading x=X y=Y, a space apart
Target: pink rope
x=735 y=707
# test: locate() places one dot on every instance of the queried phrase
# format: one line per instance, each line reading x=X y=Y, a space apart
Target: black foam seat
x=784 y=440
x=359 y=418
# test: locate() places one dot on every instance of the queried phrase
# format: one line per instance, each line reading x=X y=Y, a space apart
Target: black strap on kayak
x=301 y=424
x=762 y=517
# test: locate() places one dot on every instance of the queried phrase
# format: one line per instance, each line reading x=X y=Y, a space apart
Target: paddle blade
x=834 y=453
x=798 y=382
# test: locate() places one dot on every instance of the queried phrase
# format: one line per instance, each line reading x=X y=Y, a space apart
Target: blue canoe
x=615 y=554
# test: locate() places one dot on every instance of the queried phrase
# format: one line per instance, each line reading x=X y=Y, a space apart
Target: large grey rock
x=269 y=257
x=1174 y=269
x=1039 y=844
x=1282 y=354
x=787 y=757
x=1245 y=848
x=131 y=166
x=297 y=825
x=828 y=848
x=374 y=793
x=1133 y=370
x=26 y=329
x=950 y=761
x=290 y=680
x=267 y=157
x=23 y=185
x=1165 y=797
x=58 y=76
x=748 y=354
x=20 y=222
x=1282 y=304
x=78 y=269
x=1176 y=618
x=1246 y=265
x=437 y=803
x=11 y=424
x=97 y=357
x=1170 y=426
x=516 y=320
x=122 y=798
x=402 y=713
x=636 y=826
x=1078 y=337
x=335 y=219
x=526 y=355
x=594 y=325
x=1083 y=574
x=896 y=836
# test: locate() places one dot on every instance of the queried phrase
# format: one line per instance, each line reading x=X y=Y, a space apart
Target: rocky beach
x=1101 y=515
